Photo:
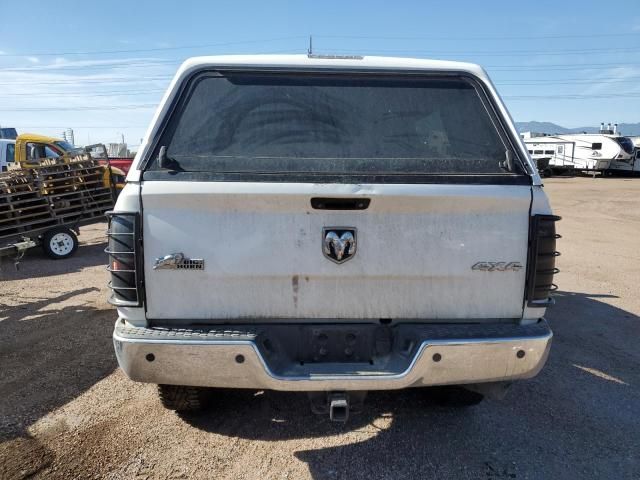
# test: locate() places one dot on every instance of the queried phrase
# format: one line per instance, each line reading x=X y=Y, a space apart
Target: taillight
x=125 y=262
x=542 y=260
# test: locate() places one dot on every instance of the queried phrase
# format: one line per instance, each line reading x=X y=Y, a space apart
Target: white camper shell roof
x=330 y=63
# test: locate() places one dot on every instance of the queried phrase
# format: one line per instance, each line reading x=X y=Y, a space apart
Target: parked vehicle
x=579 y=152
x=635 y=165
x=121 y=163
x=100 y=153
x=31 y=150
x=7 y=149
x=331 y=225
x=8 y=133
x=628 y=165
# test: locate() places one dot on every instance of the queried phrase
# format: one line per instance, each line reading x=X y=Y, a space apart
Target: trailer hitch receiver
x=338 y=407
x=337 y=404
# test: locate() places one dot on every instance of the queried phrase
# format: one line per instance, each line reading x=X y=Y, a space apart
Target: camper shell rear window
x=292 y=124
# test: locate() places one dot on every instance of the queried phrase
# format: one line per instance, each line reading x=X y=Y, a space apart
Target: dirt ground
x=66 y=411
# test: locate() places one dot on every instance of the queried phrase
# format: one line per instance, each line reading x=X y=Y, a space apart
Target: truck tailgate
x=263 y=258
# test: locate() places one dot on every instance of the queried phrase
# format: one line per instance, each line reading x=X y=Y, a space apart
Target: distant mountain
x=548 y=127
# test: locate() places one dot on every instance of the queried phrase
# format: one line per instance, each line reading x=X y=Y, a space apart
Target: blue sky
x=101 y=67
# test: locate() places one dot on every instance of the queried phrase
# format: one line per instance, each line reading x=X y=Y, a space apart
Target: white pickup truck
x=7 y=152
x=330 y=225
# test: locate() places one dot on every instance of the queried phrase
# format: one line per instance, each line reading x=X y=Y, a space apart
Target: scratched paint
x=295 y=285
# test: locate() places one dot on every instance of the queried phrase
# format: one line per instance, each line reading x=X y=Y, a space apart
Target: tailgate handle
x=340 y=203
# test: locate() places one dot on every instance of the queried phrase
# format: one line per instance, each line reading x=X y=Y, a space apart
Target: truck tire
x=183 y=398
x=59 y=243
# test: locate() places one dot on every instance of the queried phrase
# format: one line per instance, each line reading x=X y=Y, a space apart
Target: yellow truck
x=31 y=150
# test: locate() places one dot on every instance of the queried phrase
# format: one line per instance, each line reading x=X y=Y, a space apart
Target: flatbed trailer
x=46 y=204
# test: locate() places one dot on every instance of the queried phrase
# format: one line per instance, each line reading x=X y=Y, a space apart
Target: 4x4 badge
x=497 y=266
x=339 y=243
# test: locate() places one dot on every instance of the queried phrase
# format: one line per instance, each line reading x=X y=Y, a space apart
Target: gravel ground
x=66 y=411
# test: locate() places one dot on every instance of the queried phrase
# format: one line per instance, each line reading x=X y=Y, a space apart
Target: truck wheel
x=59 y=243
x=182 y=398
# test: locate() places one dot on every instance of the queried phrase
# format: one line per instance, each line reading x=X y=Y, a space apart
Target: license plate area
x=344 y=344
x=328 y=344
x=336 y=345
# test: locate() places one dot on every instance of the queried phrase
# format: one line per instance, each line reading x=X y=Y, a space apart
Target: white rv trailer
x=583 y=151
x=629 y=166
x=623 y=162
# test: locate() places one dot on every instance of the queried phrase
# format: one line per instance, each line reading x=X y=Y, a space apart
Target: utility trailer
x=46 y=204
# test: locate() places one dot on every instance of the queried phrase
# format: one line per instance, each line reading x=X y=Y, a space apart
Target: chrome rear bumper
x=442 y=355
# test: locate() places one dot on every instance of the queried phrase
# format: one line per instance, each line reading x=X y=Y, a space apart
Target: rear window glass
x=284 y=123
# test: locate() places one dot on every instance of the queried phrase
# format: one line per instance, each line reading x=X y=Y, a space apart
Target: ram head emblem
x=339 y=244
